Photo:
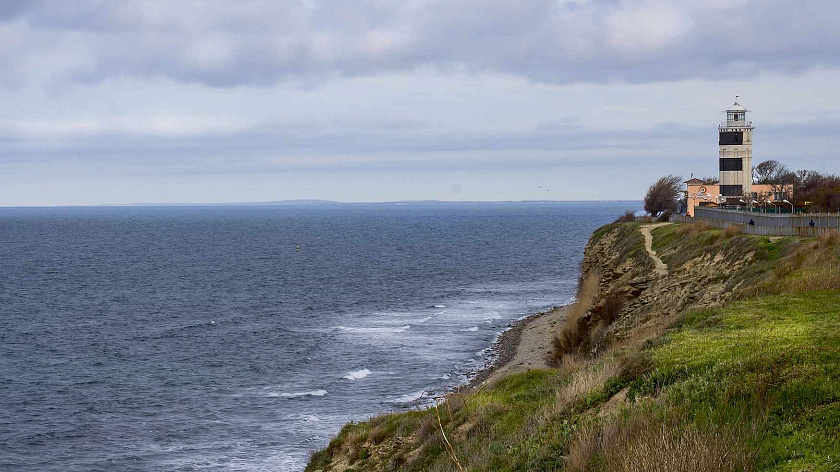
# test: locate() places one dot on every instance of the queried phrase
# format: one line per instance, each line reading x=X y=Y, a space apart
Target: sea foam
x=357 y=375
x=399 y=329
x=311 y=393
x=411 y=397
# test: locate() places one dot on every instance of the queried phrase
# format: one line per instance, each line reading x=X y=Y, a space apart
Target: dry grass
x=733 y=230
x=584 y=380
x=654 y=328
x=584 y=449
x=693 y=228
x=643 y=441
x=826 y=276
x=598 y=338
x=353 y=446
x=575 y=334
x=644 y=219
x=828 y=240
x=573 y=362
x=611 y=307
x=810 y=267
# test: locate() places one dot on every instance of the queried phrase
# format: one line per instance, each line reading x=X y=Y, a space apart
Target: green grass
x=664 y=236
x=774 y=360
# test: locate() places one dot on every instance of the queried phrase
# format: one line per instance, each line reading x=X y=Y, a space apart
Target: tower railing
x=735 y=124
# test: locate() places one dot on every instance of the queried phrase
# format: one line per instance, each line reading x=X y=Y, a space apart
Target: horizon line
x=306 y=202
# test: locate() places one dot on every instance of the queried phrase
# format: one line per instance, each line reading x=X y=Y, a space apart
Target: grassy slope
x=754 y=386
x=772 y=360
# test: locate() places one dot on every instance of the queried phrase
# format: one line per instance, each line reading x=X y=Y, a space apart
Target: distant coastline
x=333 y=202
x=285 y=203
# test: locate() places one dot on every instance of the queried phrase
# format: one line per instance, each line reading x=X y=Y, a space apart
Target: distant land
x=332 y=202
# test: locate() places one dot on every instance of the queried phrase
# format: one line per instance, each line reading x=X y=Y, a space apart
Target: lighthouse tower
x=735 y=152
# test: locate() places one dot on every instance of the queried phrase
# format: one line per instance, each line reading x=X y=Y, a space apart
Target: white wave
x=440 y=306
x=445 y=377
x=411 y=397
x=311 y=393
x=483 y=352
x=398 y=329
x=403 y=320
x=357 y=375
x=472 y=330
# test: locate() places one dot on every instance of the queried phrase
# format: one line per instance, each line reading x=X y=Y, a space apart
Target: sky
x=105 y=102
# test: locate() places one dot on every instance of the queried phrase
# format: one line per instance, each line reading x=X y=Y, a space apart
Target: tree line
x=820 y=191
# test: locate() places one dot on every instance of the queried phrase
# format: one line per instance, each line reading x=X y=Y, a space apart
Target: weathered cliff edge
x=729 y=360
x=701 y=273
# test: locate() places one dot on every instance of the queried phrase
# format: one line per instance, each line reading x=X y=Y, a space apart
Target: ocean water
x=199 y=338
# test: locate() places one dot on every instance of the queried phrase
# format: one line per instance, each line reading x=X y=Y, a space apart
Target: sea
x=241 y=338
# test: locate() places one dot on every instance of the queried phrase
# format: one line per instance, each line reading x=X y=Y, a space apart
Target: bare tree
x=663 y=195
x=769 y=172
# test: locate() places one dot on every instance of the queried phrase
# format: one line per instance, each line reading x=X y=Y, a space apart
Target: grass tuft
x=733 y=230
x=574 y=338
x=693 y=228
x=647 y=441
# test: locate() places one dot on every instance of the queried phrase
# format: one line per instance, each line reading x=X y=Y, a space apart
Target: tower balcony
x=736 y=124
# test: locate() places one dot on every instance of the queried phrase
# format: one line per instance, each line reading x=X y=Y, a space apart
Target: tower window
x=729 y=138
x=728 y=165
x=731 y=190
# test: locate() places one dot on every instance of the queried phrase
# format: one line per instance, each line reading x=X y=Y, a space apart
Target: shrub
x=611 y=307
x=574 y=335
x=627 y=217
x=665 y=216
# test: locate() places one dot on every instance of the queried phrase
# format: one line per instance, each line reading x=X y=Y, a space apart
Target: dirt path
x=661 y=268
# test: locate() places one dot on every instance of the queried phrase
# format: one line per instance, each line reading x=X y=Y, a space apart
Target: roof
x=695 y=181
x=736 y=106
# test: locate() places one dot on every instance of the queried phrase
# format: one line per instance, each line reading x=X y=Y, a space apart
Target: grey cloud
x=261 y=43
x=408 y=149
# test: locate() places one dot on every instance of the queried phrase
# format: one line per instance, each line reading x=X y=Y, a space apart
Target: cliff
x=704 y=268
x=726 y=359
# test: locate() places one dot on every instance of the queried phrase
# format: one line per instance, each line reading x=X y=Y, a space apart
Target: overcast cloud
x=115 y=102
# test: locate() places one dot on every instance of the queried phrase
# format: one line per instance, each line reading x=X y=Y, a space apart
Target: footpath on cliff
x=661 y=267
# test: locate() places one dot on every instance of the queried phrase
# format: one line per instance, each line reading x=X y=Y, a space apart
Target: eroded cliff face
x=700 y=273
